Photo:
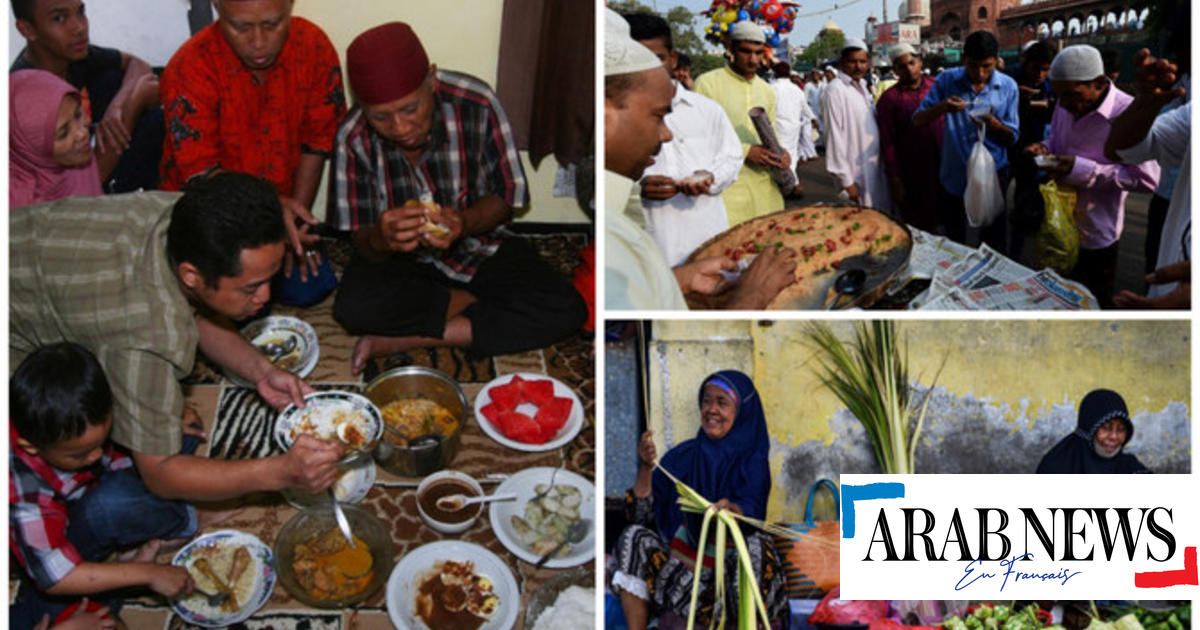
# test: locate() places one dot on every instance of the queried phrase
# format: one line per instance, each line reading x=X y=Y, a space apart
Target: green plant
x=750 y=603
x=870 y=376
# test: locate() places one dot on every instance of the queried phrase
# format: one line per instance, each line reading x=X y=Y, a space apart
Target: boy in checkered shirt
x=74 y=498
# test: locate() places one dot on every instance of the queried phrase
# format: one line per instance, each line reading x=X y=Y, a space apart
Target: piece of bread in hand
x=433 y=216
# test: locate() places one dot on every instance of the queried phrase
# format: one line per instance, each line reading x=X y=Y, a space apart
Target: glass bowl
x=315 y=520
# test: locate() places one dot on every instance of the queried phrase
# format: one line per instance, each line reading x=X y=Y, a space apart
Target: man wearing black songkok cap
x=1099 y=439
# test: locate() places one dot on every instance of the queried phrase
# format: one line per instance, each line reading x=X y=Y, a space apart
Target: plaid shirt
x=219 y=115
x=94 y=270
x=470 y=155
x=38 y=494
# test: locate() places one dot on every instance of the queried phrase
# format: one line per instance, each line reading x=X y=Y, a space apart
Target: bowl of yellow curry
x=317 y=566
x=424 y=412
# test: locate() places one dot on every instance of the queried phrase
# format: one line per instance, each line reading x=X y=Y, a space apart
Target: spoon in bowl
x=576 y=532
x=456 y=502
x=849 y=282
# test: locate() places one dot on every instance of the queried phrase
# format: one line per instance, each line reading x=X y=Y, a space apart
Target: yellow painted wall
x=463 y=35
x=1019 y=368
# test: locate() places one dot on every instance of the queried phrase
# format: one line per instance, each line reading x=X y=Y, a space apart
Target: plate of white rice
x=252 y=587
x=341 y=416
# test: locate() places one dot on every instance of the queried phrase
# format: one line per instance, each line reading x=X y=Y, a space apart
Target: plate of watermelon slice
x=529 y=412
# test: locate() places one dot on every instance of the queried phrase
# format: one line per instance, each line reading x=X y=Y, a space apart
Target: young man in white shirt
x=681 y=190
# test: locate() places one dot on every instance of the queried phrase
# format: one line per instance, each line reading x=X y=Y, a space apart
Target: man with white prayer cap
x=737 y=88
x=852 y=148
x=637 y=96
x=681 y=191
x=1087 y=102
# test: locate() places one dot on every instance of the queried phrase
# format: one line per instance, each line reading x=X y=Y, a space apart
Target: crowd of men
x=113 y=295
x=901 y=144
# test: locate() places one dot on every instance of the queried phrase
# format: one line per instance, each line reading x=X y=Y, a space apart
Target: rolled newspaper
x=784 y=177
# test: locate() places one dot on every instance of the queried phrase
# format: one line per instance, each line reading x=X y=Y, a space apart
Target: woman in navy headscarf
x=727 y=463
x=1099 y=439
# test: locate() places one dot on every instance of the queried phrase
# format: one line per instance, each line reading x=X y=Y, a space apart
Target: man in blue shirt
x=964 y=95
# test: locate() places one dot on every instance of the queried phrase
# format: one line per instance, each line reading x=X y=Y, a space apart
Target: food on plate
x=224 y=567
x=822 y=237
x=547 y=517
x=329 y=421
x=412 y=417
x=575 y=607
x=328 y=569
x=282 y=347
x=453 y=597
x=445 y=488
x=510 y=403
x=433 y=218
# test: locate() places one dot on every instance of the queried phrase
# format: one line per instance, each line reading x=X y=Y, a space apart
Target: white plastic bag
x=983 y=199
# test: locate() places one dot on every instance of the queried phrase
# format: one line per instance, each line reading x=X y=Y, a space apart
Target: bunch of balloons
x=776 y=18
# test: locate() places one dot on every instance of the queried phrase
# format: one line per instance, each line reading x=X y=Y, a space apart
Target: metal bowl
x=425 y=454
x=318 y=519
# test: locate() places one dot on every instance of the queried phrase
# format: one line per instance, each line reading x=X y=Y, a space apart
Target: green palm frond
x=869 y=375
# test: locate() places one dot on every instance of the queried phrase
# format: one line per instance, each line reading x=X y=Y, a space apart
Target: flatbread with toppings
x=822 y=237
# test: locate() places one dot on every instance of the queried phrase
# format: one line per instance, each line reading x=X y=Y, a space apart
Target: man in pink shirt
x=1087 y=101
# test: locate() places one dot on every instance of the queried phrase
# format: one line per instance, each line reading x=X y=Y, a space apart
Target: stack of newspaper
x=966 y=279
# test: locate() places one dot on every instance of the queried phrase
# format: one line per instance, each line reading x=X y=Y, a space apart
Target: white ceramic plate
x=320 y=408
x=351 y=487
x=278 y=329
x=412 y=569
x=565 y=434
x=195 y=609
x=522 y=484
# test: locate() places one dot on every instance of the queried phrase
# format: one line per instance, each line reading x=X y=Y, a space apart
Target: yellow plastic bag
x=1058 y=240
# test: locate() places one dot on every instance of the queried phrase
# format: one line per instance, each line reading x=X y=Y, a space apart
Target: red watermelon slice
x=506 y=396
x=553 y=415
x=520 y=427
x=538 y=392
x=492 y=412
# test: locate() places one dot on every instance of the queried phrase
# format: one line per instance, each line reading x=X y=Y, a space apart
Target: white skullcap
x=902 y=49
x=1027 y=45
x=854 y=43
x=747 y=31
x=623 y=55
x=1077 y=63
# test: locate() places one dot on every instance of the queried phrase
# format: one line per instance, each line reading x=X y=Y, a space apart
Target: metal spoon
x=550 y=486
x=275 y=351
x=849 y=282
x=342 y=521
x=455 y=502
x=576 y=532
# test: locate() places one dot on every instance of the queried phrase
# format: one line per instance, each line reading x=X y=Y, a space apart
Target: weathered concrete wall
x=1008 y=393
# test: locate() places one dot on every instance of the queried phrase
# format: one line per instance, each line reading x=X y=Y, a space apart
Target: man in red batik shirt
x=259 y=92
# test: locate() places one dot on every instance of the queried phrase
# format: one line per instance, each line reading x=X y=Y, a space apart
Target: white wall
x=150 y=29
x=463 y=35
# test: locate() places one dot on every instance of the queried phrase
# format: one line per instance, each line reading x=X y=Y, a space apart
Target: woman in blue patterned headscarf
x=727 y=463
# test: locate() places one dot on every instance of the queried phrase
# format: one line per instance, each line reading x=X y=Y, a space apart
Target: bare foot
x=145 y=553
x=211 y=518
x=373 y=346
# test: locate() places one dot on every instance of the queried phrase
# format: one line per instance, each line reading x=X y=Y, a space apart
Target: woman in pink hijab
x=50 y=150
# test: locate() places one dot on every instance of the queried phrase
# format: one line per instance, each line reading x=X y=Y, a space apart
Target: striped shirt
x=94 y=271
x=470 y=155
x=38 y=494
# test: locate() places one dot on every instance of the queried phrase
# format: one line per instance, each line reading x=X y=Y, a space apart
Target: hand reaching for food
x=169 y=581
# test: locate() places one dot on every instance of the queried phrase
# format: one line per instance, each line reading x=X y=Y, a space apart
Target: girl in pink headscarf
x=50 y=151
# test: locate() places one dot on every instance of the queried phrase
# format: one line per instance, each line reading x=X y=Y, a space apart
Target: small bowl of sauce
x=442 y=484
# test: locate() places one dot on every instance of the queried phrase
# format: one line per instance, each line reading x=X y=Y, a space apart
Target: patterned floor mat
x=240 y=426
